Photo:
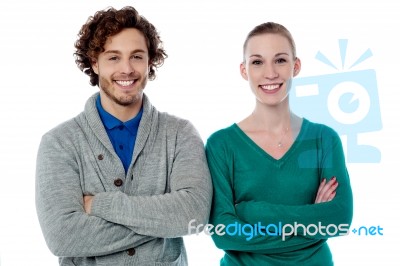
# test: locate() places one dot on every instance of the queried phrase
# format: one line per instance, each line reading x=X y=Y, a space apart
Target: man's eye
x=137 y=57
x=113 y=58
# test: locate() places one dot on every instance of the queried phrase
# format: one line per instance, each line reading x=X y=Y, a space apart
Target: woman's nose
x=270 y=72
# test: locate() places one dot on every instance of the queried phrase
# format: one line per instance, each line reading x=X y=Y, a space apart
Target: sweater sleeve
x=223 y=213
x=331 y=218
x=169 y=214
x=67 y=229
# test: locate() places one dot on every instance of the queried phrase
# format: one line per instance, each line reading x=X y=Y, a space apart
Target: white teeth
x=269 y=87
x=124 y=82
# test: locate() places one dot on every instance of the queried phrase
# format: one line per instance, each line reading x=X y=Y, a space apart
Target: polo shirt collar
x=111 y=121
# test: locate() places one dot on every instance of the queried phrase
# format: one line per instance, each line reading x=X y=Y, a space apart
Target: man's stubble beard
x=123 y=100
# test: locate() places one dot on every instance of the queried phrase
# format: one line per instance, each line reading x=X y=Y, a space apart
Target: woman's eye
x=257 y=62
x=281 y=60
x=137 y=57
x=113 y=58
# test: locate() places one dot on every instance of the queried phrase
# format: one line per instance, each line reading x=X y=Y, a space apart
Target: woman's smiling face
x=269 y=66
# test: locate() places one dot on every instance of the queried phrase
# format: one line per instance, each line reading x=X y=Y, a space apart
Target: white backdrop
x=41 y=87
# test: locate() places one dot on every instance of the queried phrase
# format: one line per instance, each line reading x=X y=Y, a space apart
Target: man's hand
x=326 y=190
x=87 y=201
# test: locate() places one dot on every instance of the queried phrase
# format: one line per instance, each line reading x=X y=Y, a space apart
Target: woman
x=281 y=186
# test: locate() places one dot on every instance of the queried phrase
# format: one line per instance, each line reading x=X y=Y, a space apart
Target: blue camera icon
x=347 y=101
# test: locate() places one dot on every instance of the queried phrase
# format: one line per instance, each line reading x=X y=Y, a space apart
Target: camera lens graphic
x=348 y=102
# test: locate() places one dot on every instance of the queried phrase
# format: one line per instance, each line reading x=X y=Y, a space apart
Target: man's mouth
x=124 y=83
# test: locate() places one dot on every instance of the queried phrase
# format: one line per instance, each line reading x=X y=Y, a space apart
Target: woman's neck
x=269 y=118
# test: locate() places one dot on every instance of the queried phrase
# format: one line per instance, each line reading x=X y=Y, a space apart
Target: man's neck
x=122 y=112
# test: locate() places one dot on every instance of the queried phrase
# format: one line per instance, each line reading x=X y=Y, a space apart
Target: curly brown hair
x=109 y=22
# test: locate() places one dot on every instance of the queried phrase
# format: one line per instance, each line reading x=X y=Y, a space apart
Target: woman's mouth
x=270 y=88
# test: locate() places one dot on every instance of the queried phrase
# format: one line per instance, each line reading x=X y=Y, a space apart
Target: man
x=119 y=183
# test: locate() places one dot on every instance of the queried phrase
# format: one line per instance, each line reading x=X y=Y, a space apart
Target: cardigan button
x=100 y=157
x=131 y=251
x=118 y=182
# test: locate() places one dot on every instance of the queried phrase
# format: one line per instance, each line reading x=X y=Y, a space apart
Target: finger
x=321 y=186
x=324 y=186
x=327 y=194
x=325 y=190
x=331 y=183
x=332 y=196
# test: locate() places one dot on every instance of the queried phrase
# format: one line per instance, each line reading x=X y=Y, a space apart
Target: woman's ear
x=243 y=71
x=297 y=67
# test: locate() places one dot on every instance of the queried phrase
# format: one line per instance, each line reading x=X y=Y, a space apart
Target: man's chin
x=128 y=100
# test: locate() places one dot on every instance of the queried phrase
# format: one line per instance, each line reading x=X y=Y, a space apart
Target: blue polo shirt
x=122 y=134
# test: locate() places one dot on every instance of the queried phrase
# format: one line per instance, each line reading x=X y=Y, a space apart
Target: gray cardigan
x=140 y=222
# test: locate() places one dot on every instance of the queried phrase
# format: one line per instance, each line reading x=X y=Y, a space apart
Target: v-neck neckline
x=261 y=151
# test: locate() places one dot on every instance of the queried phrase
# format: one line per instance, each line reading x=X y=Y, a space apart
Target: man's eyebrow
x=119 y=52
x=112 y=52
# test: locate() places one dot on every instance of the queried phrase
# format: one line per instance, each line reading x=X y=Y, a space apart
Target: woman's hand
x=326 y=190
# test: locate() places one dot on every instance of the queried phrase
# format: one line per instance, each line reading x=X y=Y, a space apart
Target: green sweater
x=252 y=188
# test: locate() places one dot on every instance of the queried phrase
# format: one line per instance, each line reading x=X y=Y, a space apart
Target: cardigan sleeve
x=332 y=218
x=67 y=229
x=223 y=213
x=168 y=214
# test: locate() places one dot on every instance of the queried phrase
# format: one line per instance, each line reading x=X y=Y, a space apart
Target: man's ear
x=243 y=71
x=95 y=66
x=297 y=67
